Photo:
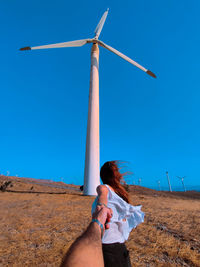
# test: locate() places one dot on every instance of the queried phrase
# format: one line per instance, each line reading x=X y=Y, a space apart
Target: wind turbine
x=91 y=172
x=170 y=189
x=182 y=180
x=159 y=185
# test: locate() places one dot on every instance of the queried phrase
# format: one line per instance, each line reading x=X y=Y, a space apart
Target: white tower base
x=91 y=173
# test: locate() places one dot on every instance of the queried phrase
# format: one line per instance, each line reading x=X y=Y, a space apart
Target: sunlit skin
x=86 y=251
x=102 y=192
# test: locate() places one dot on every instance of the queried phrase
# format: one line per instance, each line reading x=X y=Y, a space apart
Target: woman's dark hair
x=110 y=174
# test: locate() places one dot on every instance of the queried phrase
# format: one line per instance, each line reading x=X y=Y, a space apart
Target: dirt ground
x=39 y=222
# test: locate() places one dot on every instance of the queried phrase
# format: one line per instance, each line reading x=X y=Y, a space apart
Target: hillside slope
x=38 y=224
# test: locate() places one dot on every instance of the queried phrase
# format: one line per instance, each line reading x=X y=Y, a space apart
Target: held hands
x=102 y=215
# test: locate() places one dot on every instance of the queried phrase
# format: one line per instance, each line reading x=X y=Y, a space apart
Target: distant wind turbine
x=158 y=185
x=91 y=173
x=170 y=189
x=139 y=181
x=182 y=180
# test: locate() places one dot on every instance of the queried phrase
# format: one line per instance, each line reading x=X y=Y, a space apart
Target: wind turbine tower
x=158 y=185
x=182 y=180
x=91 y=172
x=170 y=189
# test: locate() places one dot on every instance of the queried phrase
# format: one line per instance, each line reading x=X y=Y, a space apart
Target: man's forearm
x=87 y=245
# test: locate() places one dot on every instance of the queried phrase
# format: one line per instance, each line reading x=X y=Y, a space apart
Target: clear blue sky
x=152 y=123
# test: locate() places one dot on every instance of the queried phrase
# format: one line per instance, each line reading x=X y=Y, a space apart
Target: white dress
x=125 y=218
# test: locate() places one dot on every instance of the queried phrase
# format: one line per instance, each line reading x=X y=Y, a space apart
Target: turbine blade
x=151 y=73
x=58 y=45
x=126 y=58
x=101 y=23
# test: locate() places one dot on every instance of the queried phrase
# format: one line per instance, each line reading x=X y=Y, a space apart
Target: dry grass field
x=38 y=227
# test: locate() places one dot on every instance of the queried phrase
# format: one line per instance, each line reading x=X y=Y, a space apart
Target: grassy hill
x=40 y=219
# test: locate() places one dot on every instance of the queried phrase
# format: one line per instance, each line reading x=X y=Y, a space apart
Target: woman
x=125 y=216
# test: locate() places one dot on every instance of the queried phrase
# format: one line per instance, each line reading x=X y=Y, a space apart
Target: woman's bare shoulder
x=102 y=189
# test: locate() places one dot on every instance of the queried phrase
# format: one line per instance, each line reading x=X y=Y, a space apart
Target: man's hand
x=103 y=215
x=86 y=251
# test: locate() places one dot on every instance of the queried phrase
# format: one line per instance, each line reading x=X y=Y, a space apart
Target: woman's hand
x=103 y=215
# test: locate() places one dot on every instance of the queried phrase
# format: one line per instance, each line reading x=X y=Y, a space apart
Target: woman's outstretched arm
x=102 y=192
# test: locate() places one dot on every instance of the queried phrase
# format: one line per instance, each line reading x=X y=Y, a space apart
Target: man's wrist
x=99 y=225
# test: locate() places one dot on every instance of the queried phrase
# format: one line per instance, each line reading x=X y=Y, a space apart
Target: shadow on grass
x=38 y=192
